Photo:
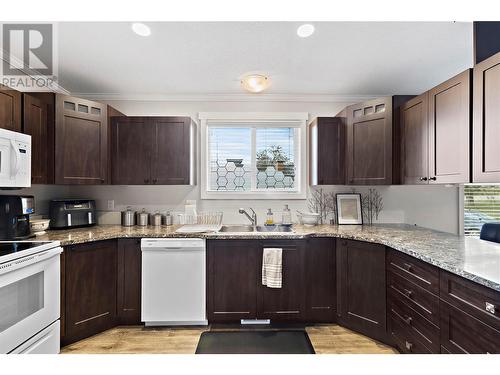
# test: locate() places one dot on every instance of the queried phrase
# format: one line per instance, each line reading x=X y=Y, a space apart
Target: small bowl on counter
x=308 y=218
x=39 y=226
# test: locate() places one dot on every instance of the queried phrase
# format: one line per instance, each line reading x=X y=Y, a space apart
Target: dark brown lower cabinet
x=232 y=280
x=361 y=290
x=288 y=302
x=321 y=291
x=129 y=281
x=90 y=289
x=463 y=333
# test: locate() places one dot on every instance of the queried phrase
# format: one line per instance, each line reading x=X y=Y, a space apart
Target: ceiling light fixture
x=141 y=29
x=305 y=30
x=255 y=83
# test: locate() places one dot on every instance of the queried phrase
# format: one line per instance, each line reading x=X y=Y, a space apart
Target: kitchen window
x=253 y=155
x=481 y=205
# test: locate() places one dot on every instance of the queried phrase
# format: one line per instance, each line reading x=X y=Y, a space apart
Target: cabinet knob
x=423 y=178
x=408 y=267
x=408 y=345
x=432 y=178
x=408 y=320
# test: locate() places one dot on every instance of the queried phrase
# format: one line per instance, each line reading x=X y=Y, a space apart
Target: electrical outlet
x=111 y=205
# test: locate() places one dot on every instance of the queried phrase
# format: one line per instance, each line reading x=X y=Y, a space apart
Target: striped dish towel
x=271 y=267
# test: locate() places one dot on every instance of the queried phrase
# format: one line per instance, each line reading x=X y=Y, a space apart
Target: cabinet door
x=361 y=288
x=327 y=151
x=415 y=145
x=320 y=285
x=90 y=289
x=81 y=134
x=288 y=302
x=462 y=333
x=10 y=109
x=232 y=280
x=369 y=142
x=172 y=150
x=132 y=151
x=35 y=124
x=129 y=281
x=486 y=120
x=449 y=129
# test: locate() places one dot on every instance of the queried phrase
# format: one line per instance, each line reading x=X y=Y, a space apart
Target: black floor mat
x=255 y=342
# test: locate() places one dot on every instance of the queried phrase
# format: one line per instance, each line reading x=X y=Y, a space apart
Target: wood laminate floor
x=326 y=339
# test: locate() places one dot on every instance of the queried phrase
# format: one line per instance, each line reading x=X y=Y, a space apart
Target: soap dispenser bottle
x=287 y=216
x=269 y=217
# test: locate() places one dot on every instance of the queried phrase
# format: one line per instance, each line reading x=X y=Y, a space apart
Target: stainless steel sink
x=236 y=228
x=274 y=228
x=259 y=228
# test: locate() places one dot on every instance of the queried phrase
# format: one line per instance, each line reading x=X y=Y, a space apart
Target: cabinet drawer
x=462 y=333
x=421 y=273
x=477 y=300
x=405 y=340
x=416 y=297
x=426 y=332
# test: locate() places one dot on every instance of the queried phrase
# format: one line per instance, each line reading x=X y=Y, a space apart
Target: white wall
x=434 y=207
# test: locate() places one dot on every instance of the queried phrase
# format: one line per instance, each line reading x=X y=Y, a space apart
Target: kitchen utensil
x=142 y=218
x=157 y=219
x=128 y=217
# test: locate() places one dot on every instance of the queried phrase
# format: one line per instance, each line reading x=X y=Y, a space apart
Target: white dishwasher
x=173 y=281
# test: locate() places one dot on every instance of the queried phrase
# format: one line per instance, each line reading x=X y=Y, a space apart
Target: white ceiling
x=340 y=58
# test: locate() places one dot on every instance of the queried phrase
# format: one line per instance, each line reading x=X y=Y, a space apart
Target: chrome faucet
x=252 y=218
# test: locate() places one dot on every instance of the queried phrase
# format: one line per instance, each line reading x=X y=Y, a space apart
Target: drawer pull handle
x=408 y=267
x=408 y=320
x=408 y=293
x=408 y=345
x=490 y=308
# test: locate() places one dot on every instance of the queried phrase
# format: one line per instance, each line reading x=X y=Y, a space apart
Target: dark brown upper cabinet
x=10 y=109
x=327 y=151
x=449 y=130
x=415 y=140
x=38 y=121
x=81 y=141
x=486 y=120
x=153 y=150
x=131 y=151
x=435 y=128
x=373 y=141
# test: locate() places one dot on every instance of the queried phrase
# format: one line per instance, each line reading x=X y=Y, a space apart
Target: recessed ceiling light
x=305 y=30
x=141 y=29
x=255 y=83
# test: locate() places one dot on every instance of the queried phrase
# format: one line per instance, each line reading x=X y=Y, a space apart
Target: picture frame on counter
x=349 y=209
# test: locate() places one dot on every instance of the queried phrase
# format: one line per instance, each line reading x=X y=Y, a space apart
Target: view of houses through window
x=252 y=158
x=481 y=205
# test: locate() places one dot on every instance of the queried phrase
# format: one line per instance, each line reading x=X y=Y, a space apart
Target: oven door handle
x=29 y=260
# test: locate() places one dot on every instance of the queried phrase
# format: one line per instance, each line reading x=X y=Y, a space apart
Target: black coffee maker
x=14 y=217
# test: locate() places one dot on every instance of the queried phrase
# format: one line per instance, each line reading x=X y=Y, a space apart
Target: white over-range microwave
x=15 y=159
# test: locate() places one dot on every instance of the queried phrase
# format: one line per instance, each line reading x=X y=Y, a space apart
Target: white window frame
x=244 y=119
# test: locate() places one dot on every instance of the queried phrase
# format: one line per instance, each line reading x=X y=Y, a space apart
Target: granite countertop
x=471 y=258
